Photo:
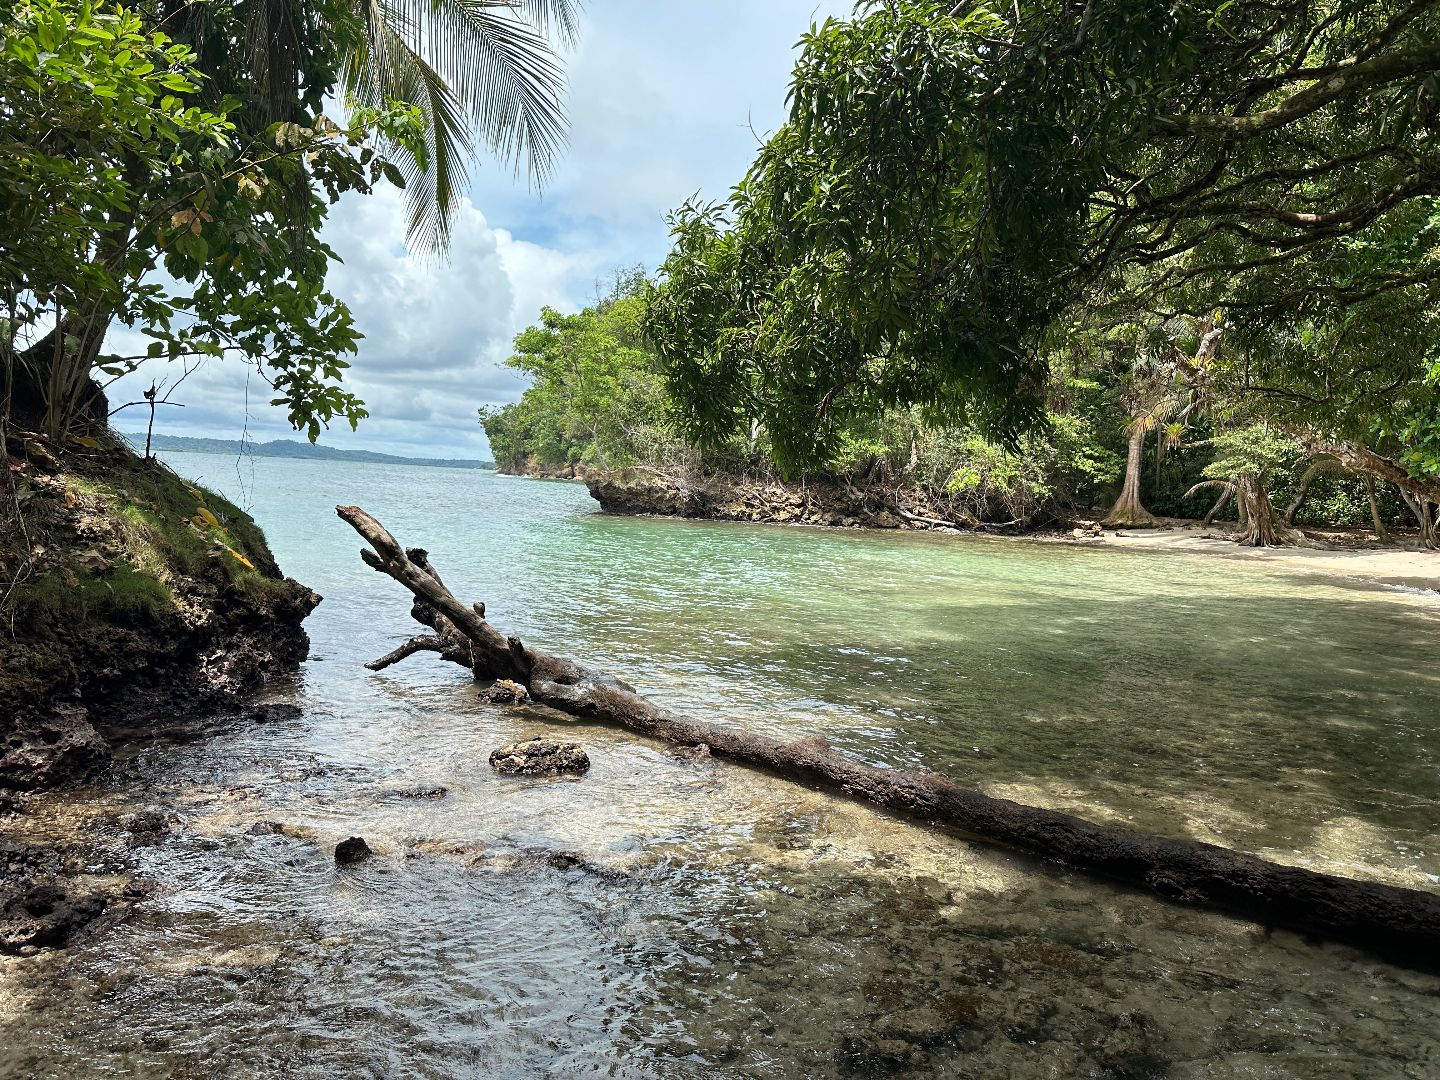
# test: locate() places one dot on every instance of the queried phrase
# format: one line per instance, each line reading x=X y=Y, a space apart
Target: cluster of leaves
x=961 y=188
x=598 y=398
x=94 y=108
x=170 y=168
x=595 y=396
x=116 y=173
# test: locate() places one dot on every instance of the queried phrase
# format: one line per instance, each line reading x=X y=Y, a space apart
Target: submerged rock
x=273 y=712
x=148 y=826
x=439 y=791
x=46 y=916
x=506 y=692
x=539 y=757
x=699 y=754
x=352 y=850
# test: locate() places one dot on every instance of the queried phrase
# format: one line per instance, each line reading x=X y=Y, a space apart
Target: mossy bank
x=130 y=599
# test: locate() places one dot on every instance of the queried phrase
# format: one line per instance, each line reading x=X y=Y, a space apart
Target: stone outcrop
x=724 y=498
x=353 y=849
x=130 y=599
x=539 y=757
x=545 y=470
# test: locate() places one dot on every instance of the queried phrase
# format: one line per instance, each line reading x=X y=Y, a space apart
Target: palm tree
x=481 y=72
x=1162 y=393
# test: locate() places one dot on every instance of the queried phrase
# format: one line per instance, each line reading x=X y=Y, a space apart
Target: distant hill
x=288 y=448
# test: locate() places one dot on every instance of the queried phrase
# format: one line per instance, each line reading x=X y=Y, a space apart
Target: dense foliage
x=599 y=400
x=965 y=191
x=595 y=396
x=169 y=170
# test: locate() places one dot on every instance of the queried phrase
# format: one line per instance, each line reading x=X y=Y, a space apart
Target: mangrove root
x=1403 y=924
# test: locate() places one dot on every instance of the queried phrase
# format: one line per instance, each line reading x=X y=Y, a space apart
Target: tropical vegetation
x=169 y=169
x=1231 y=208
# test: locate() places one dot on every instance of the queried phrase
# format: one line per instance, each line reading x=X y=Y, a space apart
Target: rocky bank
x=799 y=502
x=130 y=600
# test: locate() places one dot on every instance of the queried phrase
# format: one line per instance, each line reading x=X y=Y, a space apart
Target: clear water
x=659 y=918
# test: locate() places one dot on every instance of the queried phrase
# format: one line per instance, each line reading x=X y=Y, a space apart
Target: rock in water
x=506 y=692
x=699 y=754
x=352 y=850
x=539 y=757
x=45 y=916
x=273 y=712
x=150 y=820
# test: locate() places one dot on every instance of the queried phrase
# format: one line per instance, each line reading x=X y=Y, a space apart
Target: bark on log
x=1402 y=924
x=1364 y=460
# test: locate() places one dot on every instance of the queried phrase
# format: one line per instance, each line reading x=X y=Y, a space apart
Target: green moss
x=162 y=537
x=72 y=594
x=160 y=513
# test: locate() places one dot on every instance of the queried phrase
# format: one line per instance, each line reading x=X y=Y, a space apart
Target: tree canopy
x=958 y=185
x=170 y=169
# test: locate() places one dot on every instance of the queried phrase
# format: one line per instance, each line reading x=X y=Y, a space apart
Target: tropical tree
x=118 y=173
x=955 y=178
x=1164 y=389
x=595 y=396
x=176 y=180
x=1247 y=458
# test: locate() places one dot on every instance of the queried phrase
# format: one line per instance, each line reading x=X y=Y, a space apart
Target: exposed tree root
x=1403 y=924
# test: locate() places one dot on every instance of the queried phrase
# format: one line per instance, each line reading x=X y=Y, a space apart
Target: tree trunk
x=52 y=388
x=1382 y=535
x=1420 y=507
x=1225 y=497
x=1262 y=526
x=1403 y=924
x=1316 y=469
x=1364 y=460
x=1128 y=509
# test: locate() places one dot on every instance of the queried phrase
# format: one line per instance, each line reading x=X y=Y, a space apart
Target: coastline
x=1390 y=565
x=626 y=494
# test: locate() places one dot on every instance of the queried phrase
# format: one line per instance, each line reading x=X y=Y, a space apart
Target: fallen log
x=1401 y=924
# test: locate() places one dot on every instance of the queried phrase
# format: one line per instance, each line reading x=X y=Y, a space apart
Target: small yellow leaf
x=204 y=516
x=241 y=559
x=86 y=440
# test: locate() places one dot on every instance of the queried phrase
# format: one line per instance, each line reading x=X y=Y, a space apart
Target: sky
x=666 y=101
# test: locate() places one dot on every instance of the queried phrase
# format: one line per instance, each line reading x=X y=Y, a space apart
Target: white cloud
x=663 y=98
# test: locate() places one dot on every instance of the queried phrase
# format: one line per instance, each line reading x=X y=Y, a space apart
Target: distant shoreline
x=289 y=448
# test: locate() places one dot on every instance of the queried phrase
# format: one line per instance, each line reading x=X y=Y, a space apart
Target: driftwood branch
x=1403 y=924
x=423 y=643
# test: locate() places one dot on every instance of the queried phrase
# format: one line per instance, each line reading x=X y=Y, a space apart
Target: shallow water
x=658 y=918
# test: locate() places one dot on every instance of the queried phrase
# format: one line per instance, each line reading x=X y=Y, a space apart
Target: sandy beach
x=1395 y=565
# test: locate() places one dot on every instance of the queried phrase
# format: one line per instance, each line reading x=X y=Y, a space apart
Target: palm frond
x=503 y=69
x=479 y=70
x=560 y=18
x=389 y=69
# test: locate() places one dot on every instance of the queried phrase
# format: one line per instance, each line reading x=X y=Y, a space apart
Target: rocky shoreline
x=133 y=602
x=131 y=599
x=824 y=502
x=1350 y=553
x=642 y=491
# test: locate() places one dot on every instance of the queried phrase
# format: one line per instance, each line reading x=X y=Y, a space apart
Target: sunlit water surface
x=658 y=918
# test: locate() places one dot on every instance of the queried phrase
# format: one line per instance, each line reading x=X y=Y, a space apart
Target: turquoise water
x=707 y=921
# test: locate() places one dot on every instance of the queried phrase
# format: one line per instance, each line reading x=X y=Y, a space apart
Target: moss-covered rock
x=127 y=595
